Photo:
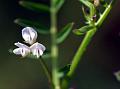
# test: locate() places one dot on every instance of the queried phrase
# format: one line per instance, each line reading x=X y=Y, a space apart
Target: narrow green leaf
x=104 y=14
x=90 y=6
x=103 y=3
x=83 y=30
x=39 y=28
x=63 y=71
x=86 y=15
x=63 y=34
x=59 y=4
x=34 y=6
x=46 y=54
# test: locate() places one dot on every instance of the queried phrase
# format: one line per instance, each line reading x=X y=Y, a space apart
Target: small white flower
x=23 y=50
x=117 y=75
x=37 y=49
x=29 y=35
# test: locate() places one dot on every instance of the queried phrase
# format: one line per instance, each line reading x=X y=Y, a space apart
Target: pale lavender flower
x=37 y=49
x=29 y=35
x=22 y=49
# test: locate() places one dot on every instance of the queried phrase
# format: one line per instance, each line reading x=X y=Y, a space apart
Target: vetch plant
x=60 y=78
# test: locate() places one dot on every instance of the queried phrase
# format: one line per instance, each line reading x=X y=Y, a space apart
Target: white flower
x=117 y=75
x=37 y=49
x=29 y=35
x=23 y=50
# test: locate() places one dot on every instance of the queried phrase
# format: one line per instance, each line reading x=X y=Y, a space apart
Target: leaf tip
x=76 y=31
x=16 y=20
x=10 y=50
x=72 y=23
x=21 y=2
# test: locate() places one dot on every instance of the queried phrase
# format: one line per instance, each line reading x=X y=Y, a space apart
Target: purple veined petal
x=29 y=35
x=37 y=52
x=37 y=49
x=21 y=51
x=20 y=45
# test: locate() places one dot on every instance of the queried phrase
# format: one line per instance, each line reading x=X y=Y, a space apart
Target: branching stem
x=82 y=48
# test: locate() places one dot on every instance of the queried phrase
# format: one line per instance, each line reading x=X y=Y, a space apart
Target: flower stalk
x=46 y=70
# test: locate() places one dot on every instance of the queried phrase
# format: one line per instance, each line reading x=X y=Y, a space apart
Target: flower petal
x=37 y=52
x=17 y=51
x=38 y=45
x=37 y=49
x=29 y=35
x=23 y=49
x=20 y=45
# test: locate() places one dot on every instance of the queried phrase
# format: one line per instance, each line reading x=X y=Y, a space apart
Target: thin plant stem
x=46 y=70
x=82 y=48
x=54 y=47
x=80 y=51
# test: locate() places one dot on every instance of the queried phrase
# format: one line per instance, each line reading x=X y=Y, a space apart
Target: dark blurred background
x=99 y=62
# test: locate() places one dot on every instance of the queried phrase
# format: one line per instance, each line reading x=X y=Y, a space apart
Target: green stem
x=78 y=56
x=54 y=48
x=80 y=51
x=46 y=70
x=83 y=46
